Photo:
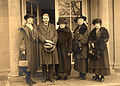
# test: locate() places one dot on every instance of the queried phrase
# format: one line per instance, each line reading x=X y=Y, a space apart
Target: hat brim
x=82 y=17
x=29 y=16
x=58 y=23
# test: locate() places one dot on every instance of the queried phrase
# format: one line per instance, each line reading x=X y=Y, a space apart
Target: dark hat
x=97 y=20
x=29 y=16
x=62 y=21
x=83 y=17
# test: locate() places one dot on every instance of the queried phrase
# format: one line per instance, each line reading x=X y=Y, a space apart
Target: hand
x=23 y=52
x=69 y=54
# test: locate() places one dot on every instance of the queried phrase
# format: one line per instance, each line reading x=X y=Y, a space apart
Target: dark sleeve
x=92 y=36
x=55 y=36
x=105 y=35
x=70 y=43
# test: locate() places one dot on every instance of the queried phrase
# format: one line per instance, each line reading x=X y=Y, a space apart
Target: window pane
x=28 y=7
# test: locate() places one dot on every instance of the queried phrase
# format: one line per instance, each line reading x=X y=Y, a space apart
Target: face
x=30 y=20
x=97 y=25
x=62 y=25
x=46 y=18
x=80 y=21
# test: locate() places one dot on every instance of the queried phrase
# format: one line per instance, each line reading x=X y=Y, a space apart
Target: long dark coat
x=29 y=43
x=99 y=62
x=49 y=33
x=64 y=46
x=80 y=48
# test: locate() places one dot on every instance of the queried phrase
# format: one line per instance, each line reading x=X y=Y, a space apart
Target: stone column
x=14 y=24
x=103 y=13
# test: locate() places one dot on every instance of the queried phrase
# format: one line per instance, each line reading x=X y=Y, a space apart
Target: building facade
x=12 y=17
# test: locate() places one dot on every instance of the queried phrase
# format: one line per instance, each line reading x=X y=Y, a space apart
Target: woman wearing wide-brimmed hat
x=99 y=60
x=64 y=48
x=28 y=48
x=80 y=47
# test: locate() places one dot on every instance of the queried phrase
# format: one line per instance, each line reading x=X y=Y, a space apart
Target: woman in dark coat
x=28 y=48
x=64 y=48
x=80 y=47
x=99 y=60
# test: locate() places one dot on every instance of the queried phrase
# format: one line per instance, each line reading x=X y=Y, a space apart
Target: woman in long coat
x=64 y=48
x=99 y=60
x=28 y=48
x=80 y=47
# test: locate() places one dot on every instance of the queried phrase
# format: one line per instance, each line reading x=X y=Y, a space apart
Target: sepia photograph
x=59 y=43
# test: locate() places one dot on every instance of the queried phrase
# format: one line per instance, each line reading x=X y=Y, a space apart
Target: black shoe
x=33 y=82
x=101 y=79
x=65 y=78
x=59 y=78
x=95 y=77
x=83 y=77
x=51 y=80
x=44 y=80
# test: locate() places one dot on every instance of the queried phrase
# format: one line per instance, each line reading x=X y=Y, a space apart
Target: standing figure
x=28 y=41
x=64 y=48
x=99 y=61
x=47 y=36
x=80 y=47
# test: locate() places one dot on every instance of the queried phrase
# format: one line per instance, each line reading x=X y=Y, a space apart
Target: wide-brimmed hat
x=62 y=21
x=81 y=16
x=29 y=16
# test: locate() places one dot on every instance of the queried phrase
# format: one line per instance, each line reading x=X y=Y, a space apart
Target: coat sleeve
x=55 y=36
x=22 y=41
x=41 y=37
x=70 y=43
x=105 y=35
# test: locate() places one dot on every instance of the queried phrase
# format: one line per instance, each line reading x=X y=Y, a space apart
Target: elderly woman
x=64 y=48
x=99 y=61
x=28 y=42
x=80 y=47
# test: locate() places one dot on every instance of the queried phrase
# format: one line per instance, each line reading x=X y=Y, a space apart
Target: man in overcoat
x=47 y=35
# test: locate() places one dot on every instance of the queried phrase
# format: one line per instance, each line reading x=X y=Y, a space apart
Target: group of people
x=54 y=48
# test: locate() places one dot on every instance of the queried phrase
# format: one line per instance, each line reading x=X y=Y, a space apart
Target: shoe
x=83 y=77
x=101 y=79
x=95 y=77
x=51 y=80
x=44 y=80
x=59 y=78
x=29 y=80
x=33 y=82
x=65 y=78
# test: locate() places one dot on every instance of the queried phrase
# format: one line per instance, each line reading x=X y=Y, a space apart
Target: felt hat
x=62 y=21
x=81 y=16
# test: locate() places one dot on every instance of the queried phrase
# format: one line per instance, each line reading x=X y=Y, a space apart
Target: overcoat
x=64 y=46
x=47 y=33
x=29 y=44
x=100 y=65
x=80 y=48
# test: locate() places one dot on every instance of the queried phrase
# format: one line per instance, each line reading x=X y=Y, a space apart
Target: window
x=70 y=9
